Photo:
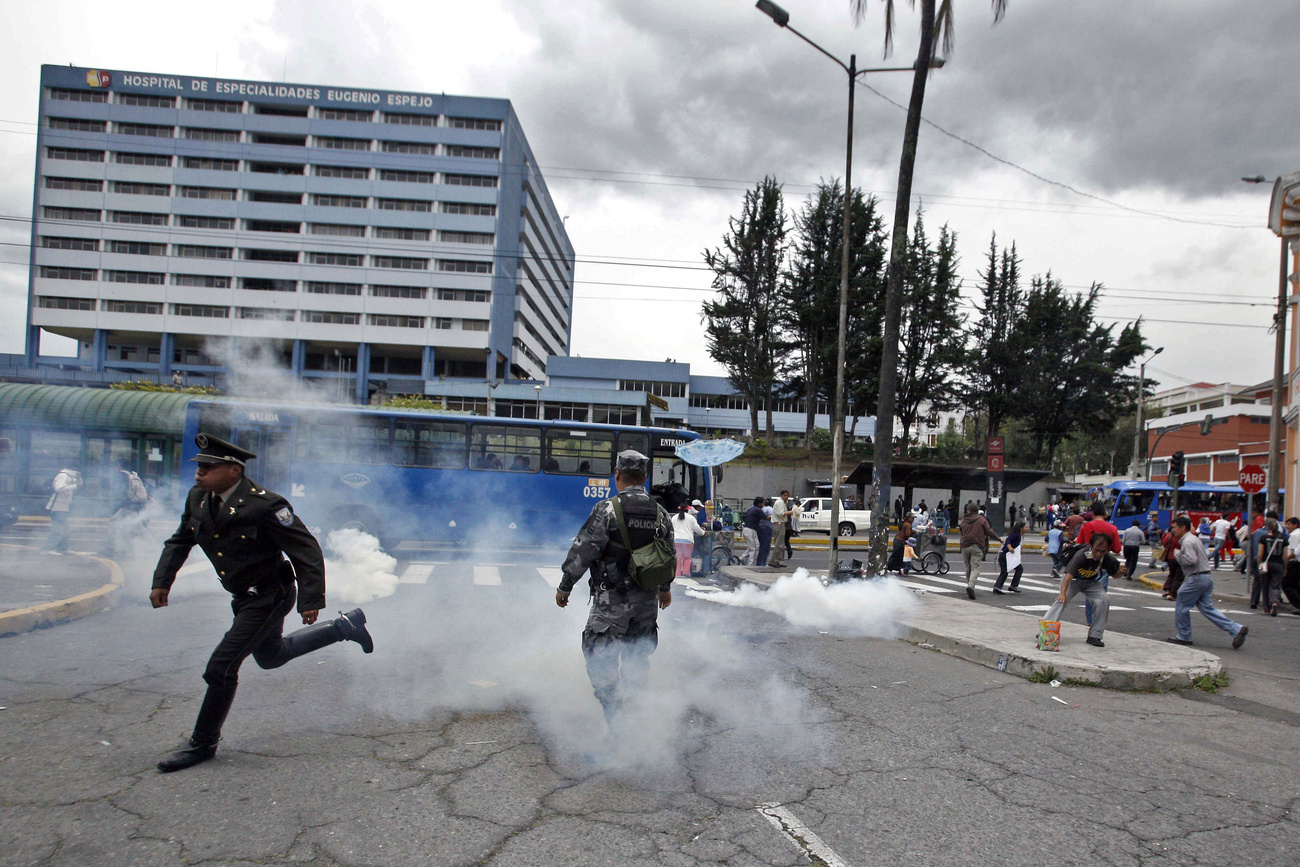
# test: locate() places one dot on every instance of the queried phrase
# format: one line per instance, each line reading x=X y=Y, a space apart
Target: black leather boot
x=352 y=627
x=202 y=745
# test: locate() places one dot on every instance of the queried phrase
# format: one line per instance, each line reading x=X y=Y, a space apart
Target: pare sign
x=1252 y=478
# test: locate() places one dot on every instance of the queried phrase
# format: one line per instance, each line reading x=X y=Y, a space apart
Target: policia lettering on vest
x=247 y=532
x=626 y=549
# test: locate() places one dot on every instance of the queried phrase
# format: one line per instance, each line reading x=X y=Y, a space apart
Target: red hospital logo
x=96 y=78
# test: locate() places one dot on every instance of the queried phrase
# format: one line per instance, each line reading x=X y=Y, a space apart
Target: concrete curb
x=1158 y=583
x=1005 y=641
x=60 y=611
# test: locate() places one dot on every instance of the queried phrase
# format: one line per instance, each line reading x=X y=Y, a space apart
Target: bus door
x=671 y=477
x=272 y=446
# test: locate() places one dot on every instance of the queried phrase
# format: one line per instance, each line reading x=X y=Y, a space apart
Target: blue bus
x=410 y=474
x=1130 y=499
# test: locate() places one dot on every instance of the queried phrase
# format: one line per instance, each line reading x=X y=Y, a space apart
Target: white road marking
x=417 y=573
x=799 y=834
x=1158 y=607
x=1037 y=609
x=926 y=587
x=487 y=576
x=551 y=575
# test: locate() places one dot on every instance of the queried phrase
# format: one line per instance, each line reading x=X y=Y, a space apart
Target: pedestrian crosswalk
x=446 y=572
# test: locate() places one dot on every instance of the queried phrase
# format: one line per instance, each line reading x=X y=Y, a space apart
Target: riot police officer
x=247 y=532
x=622 y=626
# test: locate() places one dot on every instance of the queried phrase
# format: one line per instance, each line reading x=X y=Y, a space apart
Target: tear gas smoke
x=356 y=569
x=451 y=646
x=864 y=608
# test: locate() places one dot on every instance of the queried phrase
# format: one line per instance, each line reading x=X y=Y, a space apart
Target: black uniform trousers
x=258 y=631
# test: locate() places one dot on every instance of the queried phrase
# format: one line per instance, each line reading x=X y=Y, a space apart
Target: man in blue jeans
x=1197 y=589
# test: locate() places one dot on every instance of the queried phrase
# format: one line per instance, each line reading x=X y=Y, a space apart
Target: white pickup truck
x=817 y=516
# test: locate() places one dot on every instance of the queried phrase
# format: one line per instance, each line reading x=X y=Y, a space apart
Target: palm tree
x=931 y=20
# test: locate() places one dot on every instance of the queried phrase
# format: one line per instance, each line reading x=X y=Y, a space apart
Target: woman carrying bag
x=685 y=530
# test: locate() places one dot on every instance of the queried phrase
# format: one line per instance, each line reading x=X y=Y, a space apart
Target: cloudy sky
x=651 y=118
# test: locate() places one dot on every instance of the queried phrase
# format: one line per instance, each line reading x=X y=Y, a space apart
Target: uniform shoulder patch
x=284 y=515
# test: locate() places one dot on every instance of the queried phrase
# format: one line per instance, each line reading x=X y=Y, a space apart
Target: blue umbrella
x=710 y=453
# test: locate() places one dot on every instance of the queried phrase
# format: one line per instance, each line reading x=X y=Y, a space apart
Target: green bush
x=145 y=385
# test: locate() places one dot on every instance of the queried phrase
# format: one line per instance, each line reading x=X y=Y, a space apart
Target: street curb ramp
x=62 y=610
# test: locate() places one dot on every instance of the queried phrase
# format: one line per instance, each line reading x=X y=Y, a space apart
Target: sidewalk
x=39 y=590
x=1007 y=641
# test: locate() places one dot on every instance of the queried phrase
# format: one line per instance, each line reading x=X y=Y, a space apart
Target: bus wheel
x=847 y=529
x=360 y=518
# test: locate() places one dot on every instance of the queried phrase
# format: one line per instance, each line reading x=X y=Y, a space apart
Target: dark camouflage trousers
x=622 y=631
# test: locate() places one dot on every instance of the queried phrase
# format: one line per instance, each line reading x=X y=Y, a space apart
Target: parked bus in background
x=405 y=474
x=1136 y=499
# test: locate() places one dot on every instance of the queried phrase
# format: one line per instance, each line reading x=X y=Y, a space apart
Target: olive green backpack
x=650 y=566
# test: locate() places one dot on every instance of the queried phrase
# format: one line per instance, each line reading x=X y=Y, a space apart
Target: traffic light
x=1176 y=469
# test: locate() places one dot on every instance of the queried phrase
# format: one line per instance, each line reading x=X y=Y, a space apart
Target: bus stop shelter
x=954 y=478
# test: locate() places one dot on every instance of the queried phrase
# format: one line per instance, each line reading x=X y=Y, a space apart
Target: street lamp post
x=538 y=389
x=1283 y=222
x=782 y=19
x=1141 y=399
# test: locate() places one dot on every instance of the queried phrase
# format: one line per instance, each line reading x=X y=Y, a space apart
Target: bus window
x=326 y=440
x=505 y=447
x=580 y=453
x=429 y=444
x=636 y=441
x=1133 y=503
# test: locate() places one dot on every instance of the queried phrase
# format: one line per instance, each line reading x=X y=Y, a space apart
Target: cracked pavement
x=890 y=754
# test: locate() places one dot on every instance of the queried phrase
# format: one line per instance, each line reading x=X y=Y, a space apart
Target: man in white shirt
x=1220 y=528
x=779 y=510
x=920 y=521
x=1291 y=581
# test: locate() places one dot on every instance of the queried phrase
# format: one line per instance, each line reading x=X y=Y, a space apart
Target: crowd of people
x=768 y=526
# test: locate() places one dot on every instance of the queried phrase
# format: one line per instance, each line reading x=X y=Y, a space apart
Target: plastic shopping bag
x=1049 y=635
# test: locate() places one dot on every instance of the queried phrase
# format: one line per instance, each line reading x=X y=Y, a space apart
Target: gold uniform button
x=216 y=535
x=223 y=574
x=219 y=554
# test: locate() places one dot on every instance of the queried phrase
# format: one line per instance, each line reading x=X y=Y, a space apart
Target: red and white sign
x=995 y=464
x=996 y=445
x=1252 y=478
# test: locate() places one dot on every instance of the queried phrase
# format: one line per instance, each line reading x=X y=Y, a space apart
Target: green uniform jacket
x=245 y=543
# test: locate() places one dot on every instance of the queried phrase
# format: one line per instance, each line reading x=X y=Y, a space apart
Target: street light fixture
x=782 y=19
x=538 y=389
x=1141 y=399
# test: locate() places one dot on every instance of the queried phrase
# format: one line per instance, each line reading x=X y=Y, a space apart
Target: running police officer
x=247 y=531
x=623 y=620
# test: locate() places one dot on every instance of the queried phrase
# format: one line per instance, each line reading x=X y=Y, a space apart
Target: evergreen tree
x=932 y=340
x=740 y=322
x=996 y=353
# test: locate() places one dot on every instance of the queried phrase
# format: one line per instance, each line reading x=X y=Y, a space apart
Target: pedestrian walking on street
x=976 y=532
x=1010 y=551
x=765 y=536
x=622 y=629
x=1170 y=543
x=1197 y=589
x=64 y=486
x=1272 y=566
x=1055 y=546
x=794 y=510
x=685 y=531
x=1132 y=541
x=749 y=530
x=1291 y=580
x=898 y=509
x=1255 y=575
x=1219 y=529
x=1083 y=575
x=247 y=532
x=780 y=514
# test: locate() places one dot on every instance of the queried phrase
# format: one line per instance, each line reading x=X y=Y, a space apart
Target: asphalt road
x=470 y=737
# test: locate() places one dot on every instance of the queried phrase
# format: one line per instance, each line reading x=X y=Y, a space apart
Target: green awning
x=99 y=409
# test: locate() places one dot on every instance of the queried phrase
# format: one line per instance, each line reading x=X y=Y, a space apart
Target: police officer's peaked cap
x=218 y=451
x=632 y=461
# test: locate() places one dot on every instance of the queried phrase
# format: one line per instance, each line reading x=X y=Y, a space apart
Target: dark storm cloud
x=1110 y=96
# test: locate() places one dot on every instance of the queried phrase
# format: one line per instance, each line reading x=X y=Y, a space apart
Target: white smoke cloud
x=866 y=608
x=356 y=569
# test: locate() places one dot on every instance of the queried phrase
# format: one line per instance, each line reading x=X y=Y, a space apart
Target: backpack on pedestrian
x=650 y=566
x=135 y=489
